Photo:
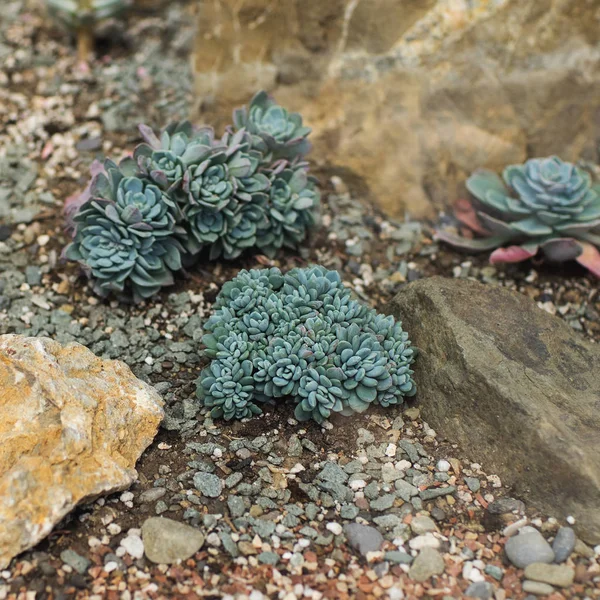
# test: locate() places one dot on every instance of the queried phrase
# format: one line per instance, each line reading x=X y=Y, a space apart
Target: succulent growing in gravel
x=125 y=234
x=304 y=337
x=277 y=133
x=545 y=204
x=226 y=195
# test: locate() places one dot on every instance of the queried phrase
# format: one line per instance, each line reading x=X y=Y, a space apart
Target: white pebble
x=443 y=466
x=335 y=528
x=114 y=529
x=403 y=465
x=126 y=497
x=571 y=520
x=133 y=545
x=217 y=453
x=391 y=450
x=111 y=566
x=43 y=240
x=427 y=540
x=357 y=484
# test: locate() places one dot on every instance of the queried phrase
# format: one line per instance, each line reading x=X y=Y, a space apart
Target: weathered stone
x=560 y=575
x=429 y=562
x=167 y=541
x=72 y=427
x=563 y=544
x=528 y=548
x=411 y=95
x=363 y=538
x=513 y=384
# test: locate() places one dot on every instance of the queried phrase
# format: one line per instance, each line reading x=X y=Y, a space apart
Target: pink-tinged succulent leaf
x=477 y=244
x=149 y=136
x=74 y=202
x=465 y=213
x=513 y=254
x=496 y=226
x=561 y=249
x=590 y=258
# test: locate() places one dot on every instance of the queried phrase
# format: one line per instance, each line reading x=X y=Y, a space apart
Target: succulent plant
x=292 y=207
x=125 y=234
x=301 y=336
x=545 y=205
x=276 y=132
x=77 y=13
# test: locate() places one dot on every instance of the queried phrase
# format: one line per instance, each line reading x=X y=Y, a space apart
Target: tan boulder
x=72 y=427
x=408 y=97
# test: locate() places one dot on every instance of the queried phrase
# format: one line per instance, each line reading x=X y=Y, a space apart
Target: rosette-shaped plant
x=75 y=13
x=545 y=205
x=125 y=234
x=277 y=133
x=292 y=207
x=302 y=337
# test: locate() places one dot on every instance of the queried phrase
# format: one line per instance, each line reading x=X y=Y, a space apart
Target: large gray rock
x=513 y=385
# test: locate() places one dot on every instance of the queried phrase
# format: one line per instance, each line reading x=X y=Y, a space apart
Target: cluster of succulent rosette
x=301 y=336
x=139 y=221
x=545 y=205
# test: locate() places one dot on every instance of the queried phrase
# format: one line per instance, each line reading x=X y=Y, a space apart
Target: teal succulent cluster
x=249 y=189
x=301 y=336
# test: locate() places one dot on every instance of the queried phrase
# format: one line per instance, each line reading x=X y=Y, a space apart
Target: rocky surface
x=409 y=97
x=72 y=427
x=513 y=383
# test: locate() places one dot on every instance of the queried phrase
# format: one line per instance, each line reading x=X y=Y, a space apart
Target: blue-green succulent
x=276 y=132
x=545 y=205
x=301 y=336
x=77 y=13
x=125 y=234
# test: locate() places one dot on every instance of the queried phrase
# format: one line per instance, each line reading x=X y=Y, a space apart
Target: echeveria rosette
x=276 y=132
x=292 y=207
x=125 y=234
x=166 y=159
x=301 y=348
x=545 y=205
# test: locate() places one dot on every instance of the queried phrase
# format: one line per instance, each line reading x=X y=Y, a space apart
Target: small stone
x=236 y=506
x=429 y=562
x=363 y=538
x=71 y=558
x=502 y=506
x=537 y=588
x=493 y=571
x=422 y=524
x=480 y=589
x=167 y=541
x=398 y=557
x=268 y=558
x=412 y=413
x=432 y=493
x=473 y=484
x=152 y=495
x=208 y=485
x=527 y=548
x=443 y=466
x=133 y=545
x=426 y=540
x=333 y=473
x=335 y=528
x=559 y=575
x=564 y=544
x=383 y=503
x=438 y=514
x=405 y=490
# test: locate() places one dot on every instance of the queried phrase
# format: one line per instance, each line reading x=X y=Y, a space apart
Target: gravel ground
x=287 y=510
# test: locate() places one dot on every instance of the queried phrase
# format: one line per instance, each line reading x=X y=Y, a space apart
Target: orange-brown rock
x=72 y=427
x=408 y=97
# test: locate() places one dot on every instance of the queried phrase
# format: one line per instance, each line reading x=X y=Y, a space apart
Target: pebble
x=152 y=495
x=71 y=558
x=133 y=545
x=480 y=589
x=398 y=557
x=363 y=538
x=422 y=524
x=443 y=466
x=537 y=588
x=473 y=484
x=405 y=490
x=167 y=541
x=527 y=548
x=383 y=503
x=564 y=544
x=501 y=506
x=208 y=485
x=429 y=562
x=333 y=473
x=493 y=571
x=559 y=575
x=427 y=540
x=432 y=493
x=335 y=528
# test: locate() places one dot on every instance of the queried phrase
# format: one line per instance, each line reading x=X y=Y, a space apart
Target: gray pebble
x=527 y=548
x=208 y=485
x=480 y=589
x=363 y=538
x=74 y=560
x=563 y=544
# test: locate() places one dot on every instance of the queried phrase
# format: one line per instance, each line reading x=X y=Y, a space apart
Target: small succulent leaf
x=589 y=258
x=478 y=244
x=561 y=249
x=482 y=181
x=531 y=227
x=512 y=254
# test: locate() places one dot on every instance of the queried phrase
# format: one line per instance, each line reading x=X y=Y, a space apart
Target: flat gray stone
x=363 y=538
x=559 y=575
x=74 y=560
x=422 y=524
x=429 y=562
x=167 y=541
x=513 y=385
x=405 y=490
x=563 y=544
x=480 y=589
x=537 y=588
x=208 y=485
x=527 y=548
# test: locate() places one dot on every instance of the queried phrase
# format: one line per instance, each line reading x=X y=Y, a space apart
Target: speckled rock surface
x=514 y=384
x=410 y=96
x=72 y=427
